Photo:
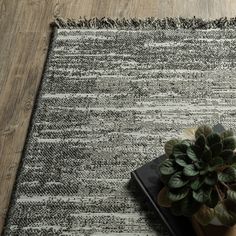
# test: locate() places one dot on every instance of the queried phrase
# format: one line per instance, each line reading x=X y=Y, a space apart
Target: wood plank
x=24 y=27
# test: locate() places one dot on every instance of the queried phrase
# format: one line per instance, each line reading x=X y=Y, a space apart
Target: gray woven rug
x=112 y=93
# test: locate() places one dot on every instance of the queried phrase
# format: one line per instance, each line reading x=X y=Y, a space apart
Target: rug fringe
x=148 y=23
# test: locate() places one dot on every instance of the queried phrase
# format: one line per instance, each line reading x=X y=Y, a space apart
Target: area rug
x=112 y=93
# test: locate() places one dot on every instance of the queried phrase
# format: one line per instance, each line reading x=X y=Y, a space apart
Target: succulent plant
x=200 y=176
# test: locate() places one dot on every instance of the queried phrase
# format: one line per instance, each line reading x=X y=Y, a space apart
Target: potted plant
x=199 y=176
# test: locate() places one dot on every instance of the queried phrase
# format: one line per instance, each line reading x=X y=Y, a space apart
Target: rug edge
x=12 y=198
x=146 y=23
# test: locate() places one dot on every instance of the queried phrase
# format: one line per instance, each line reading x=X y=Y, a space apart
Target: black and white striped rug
x=112 y=93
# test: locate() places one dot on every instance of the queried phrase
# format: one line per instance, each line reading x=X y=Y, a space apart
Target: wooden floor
x=24 y=37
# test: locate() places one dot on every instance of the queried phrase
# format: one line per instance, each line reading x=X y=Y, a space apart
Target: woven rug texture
x=110 y=97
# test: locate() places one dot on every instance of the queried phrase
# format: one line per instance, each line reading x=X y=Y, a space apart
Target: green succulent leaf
x=227 y=155
x=231 y=194
x=204 y=170
x=229 y=143
x=177 y=180
x=216 y=149
x=201 y=141
x=190 y=170
x=200 y=165
x=169 y=146
x=203 y=130
x=182 y=160
x=186 y=142
x=165 y=178
x=163 y=199
x=211 y=179
x=189 y=206
x=202 y=195
x=207 y=155
x=167 y=167
x=226 y=134
x=227 y=175
x=204 y=215
x=215 y=163
x=179 y=149
x=213 y=200
x=191 y=153
x=176 y=195
x=197 y=183
x=213 y=138
x=224 y=216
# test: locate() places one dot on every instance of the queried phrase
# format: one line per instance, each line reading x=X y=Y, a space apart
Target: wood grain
x=25 y=31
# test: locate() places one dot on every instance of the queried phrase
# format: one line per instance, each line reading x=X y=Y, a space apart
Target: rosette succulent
x=199 y=175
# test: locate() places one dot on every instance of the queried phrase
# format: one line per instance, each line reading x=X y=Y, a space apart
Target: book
x=148 y=180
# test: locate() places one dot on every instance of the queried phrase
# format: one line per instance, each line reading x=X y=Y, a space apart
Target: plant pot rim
x=210 y=229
